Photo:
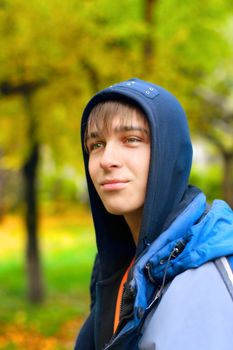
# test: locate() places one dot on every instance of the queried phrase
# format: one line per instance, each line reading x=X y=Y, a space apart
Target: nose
x=110 y=157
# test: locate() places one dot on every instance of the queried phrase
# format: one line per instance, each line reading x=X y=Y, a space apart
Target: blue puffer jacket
x=179 y=290
x=200 y=294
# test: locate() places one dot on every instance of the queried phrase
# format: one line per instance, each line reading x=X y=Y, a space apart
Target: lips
x=113 y=184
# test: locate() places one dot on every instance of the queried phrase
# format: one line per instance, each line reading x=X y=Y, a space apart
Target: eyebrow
x=95 y=134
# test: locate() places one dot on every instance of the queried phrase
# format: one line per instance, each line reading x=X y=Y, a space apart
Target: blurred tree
x=28 y=63
x=29 y=171
x=211 y=107
x=46 y=74
x=217 y=96
x=149 y=54
x=194 y=59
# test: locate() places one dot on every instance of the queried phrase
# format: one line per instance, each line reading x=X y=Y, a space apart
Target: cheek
x=144 y=165
x=144 y=175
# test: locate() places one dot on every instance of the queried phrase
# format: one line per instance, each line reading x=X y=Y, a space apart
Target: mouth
x=113 y=184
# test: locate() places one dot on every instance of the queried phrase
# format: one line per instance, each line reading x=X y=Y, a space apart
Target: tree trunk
x=29 y=171
x=148 y=45
x=93 y=75
x=35 y=285
x=228 y=177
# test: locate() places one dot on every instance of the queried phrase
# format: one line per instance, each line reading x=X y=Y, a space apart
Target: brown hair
x=101 y=115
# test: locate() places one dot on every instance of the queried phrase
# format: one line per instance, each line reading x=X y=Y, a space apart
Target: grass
x=68 y=248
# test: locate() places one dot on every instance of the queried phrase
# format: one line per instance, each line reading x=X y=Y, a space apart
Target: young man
x=163 y=276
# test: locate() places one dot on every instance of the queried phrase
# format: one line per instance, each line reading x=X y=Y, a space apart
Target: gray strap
x=225 y=272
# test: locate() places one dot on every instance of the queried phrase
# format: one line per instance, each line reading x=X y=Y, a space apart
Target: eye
x=95 y=145
x=132 y=139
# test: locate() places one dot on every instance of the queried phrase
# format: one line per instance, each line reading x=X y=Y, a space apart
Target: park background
x=54 y=55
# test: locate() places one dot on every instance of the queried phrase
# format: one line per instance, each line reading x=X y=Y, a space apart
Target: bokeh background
x=54 y=55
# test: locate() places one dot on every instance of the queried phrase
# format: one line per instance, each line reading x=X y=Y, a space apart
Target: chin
x=114 y=211
x=119 y=210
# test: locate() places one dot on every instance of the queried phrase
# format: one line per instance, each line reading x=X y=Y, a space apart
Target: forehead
x=119 y=123
x=113 y=115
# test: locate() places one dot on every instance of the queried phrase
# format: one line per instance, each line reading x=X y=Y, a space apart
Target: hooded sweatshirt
x=179 y=233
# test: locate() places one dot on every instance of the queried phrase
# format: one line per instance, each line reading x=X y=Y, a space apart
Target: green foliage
x=63 y=185
x=70 y=51
x=69 y=251
x=208 y=180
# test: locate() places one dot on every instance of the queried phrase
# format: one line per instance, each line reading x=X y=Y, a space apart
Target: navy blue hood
x=167 y=193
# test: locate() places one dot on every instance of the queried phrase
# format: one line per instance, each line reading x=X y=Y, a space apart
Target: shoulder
x=196 y=312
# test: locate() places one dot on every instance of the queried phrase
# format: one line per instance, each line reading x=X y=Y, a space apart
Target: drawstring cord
x=174 y=253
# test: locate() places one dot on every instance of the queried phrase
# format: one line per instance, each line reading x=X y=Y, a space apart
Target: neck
x=134 y=222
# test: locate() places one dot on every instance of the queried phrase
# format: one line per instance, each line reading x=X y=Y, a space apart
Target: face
x=119 y=164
